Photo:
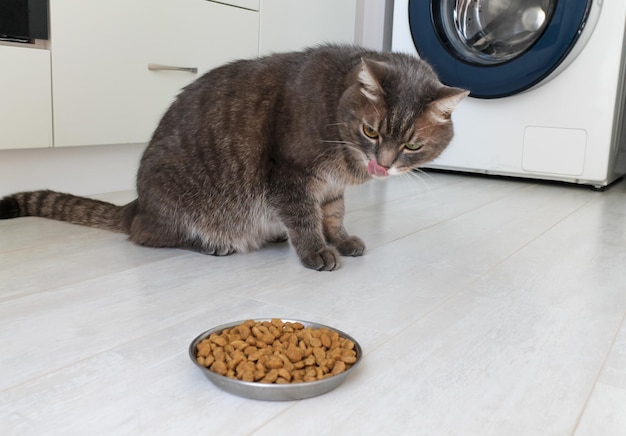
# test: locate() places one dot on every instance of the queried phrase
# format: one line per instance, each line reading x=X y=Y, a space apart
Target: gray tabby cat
x=261 y=150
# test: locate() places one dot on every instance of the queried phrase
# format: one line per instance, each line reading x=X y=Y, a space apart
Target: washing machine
x=546 y=81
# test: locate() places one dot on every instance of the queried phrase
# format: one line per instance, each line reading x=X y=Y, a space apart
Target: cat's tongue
x=376 y=170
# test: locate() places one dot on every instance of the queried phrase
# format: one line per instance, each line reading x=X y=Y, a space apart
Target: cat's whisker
x=419 y=171
x=420 y=184
x=408 y=180
x=416 y=181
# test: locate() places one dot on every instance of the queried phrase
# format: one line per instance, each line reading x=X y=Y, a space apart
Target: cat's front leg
x=305 y=234
x=334 y=231
x=302 y=216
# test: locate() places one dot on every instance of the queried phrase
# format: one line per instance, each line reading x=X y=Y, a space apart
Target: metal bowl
x=274 y=392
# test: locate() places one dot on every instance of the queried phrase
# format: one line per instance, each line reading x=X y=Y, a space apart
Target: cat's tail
x=69 y=208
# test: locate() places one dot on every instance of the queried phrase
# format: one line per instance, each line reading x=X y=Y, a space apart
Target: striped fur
x=66 y=207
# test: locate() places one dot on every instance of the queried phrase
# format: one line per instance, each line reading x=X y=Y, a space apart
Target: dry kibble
x=256 y=331
x=245 y=367
x=219 y=354
x=307 y=336
x=335 y=353
x=244 y=332
x=270 y=377
x=274 y=362
x=339 y=367
x=316 y=342
x=326 y=341
x=282 y=372
x=293 y=353
x=219 y=367
x=208 y=361
x=348 y=359
x=247 y=376
x=219 y=340
x=250 y=349
x=319 y=372
x=239 y=344
x=278 y=323
x=320 y=355
x=276 y=352
x=255 y=356
x=237 y=358
x=286 y=363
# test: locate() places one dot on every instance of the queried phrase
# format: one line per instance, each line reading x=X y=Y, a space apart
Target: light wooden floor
x=484 y=307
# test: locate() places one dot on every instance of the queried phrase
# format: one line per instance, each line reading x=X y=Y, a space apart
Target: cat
x=261 y=150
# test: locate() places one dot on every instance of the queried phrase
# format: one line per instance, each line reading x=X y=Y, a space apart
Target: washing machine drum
x=496 y=48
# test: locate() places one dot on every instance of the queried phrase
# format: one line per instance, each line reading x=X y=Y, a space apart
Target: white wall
x=96 y=169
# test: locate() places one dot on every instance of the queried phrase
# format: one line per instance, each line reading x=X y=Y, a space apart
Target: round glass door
x=494 y=31
x=496 y=48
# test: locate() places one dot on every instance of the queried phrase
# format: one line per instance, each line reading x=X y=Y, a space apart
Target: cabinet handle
x=158 y=67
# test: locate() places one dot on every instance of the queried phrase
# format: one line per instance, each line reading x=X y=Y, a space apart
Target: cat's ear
x=369 y=77
x=446 y=100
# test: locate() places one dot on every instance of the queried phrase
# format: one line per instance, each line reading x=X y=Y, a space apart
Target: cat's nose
x=385 y=157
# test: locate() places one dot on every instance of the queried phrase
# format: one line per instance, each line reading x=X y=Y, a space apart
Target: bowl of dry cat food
x=275 y=359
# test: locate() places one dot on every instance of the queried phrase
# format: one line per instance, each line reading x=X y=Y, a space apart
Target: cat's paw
x=352 y=246
x=219 y=250
x=326 y=259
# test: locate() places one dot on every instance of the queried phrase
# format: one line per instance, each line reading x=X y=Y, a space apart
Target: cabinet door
x=25 y=98
x=296 y=24
x=104 y=92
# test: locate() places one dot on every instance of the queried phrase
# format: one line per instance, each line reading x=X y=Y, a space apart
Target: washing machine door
x=496 y=48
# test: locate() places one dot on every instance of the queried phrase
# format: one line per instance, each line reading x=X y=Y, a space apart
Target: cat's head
x=395 y=115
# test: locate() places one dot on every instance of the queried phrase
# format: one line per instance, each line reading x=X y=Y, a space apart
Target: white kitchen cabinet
x=25 y=97
x=296 y=24
x=104 y=92
x=90 y=84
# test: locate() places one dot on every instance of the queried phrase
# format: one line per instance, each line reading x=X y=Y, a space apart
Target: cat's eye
x=413 y=146
x=369 y=132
